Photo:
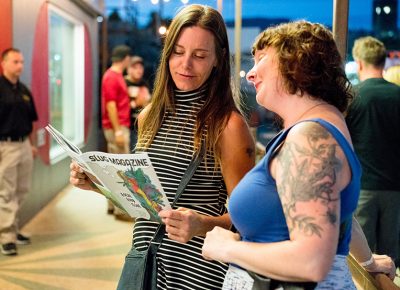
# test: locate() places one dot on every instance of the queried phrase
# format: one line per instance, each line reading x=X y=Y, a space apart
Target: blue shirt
x=255 y=207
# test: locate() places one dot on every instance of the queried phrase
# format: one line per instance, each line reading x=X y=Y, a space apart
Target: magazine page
x=128 y=180
x=65 y=144
x=74 y=152
x=131 y=180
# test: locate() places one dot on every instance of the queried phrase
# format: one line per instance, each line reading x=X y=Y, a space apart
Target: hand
x=78 y=178
x=382 y=264
x=34 y=151
x=217 y=242
x=181 y=224
x=119 y=138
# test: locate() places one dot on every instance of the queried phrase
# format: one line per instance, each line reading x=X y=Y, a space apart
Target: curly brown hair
x=309 y=61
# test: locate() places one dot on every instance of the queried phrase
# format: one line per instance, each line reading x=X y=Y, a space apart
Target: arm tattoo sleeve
x=309 y=173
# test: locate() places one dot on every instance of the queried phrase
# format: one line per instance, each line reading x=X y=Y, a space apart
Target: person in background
x=392 y=74
x=293 y=210
x=116 y=111
x=138 y=91
x=17 y=114
x=373 y=120
x=192 y=102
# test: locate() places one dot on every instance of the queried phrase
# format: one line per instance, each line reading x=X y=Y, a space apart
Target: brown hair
x=309 y=61
x=214 y=115
x=7 y=51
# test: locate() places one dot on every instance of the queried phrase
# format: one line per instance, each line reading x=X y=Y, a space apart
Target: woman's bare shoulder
x=236 y=133
x=143 y=113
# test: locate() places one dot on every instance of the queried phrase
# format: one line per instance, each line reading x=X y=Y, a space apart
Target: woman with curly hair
x=294 y=209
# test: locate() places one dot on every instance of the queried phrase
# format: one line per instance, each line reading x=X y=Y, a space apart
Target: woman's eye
x=259 y=58
x=178 y=52
x=200 y=56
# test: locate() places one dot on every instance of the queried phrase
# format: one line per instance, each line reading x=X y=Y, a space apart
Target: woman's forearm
x=359 y=246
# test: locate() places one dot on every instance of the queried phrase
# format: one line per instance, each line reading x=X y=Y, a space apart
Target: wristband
x=119 y=133
x=369 y=262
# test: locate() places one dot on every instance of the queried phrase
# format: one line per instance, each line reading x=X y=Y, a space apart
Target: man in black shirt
x=374 y=123
x=17 y=112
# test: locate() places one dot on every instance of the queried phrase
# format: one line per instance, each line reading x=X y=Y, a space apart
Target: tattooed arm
x=237 y=158
x=310 y=170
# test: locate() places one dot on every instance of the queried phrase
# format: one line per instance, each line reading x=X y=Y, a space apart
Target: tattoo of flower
x=308 y=174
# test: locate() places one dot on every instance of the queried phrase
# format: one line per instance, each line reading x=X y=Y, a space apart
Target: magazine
x=128 y=180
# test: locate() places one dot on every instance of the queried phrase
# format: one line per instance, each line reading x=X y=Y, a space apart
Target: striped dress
x=181 y=266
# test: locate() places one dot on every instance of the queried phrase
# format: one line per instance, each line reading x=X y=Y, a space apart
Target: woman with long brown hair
x=192 y=104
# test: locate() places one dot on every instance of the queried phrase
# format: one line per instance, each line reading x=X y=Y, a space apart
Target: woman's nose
x=187 y=61
x=251 y=75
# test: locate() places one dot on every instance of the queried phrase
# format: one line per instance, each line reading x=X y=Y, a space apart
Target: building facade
x=59 y=40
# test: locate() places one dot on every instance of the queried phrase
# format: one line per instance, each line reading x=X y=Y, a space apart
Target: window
x=66 y=79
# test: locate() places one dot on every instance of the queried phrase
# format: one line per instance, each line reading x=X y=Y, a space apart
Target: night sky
x=312 y=10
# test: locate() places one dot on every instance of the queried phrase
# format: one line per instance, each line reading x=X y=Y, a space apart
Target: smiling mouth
x=185 y=75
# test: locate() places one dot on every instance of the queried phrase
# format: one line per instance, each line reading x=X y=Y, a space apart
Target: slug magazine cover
x=128 y=180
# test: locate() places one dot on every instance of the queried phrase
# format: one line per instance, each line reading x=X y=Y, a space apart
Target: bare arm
x=237 y=158
x=142 y=114
x=112 y=111
x=32 y=140
x=310 y=170
x=237 y=151
x=359 y=246
x=360 y=250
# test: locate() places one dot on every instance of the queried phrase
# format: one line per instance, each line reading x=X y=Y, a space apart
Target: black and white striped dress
x=181 y=266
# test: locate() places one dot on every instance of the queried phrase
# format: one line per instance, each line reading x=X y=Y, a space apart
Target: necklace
x=307 y=111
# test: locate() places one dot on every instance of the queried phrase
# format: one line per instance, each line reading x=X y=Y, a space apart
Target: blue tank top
x=255 y=207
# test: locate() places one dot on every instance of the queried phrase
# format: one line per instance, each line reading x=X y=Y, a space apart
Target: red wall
x=40 y=76
x=6 y=25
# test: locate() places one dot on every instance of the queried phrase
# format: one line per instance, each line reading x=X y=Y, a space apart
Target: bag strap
x=196 y=160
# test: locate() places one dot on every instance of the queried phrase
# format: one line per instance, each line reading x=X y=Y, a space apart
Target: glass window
x=66 y=79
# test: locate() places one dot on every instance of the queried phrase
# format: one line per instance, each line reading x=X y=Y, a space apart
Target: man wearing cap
x=17 y=112
x=116 y=110
x=138 y=91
